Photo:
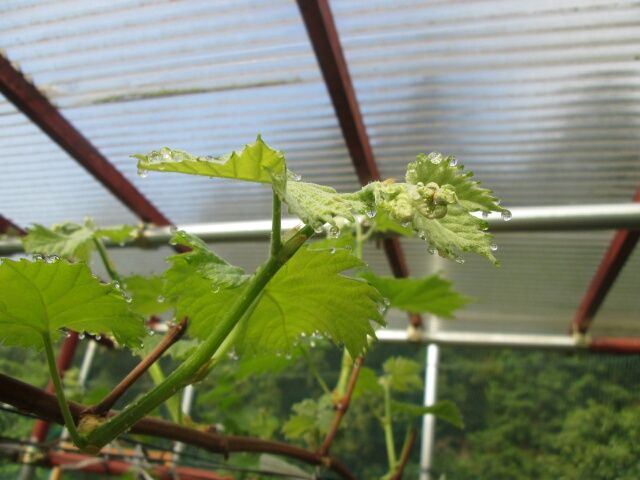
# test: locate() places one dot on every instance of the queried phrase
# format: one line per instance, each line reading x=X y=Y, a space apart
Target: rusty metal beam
x=7 y=226
x=28 y=99
x=89 y=464
x=326 y=45
x=620 y=249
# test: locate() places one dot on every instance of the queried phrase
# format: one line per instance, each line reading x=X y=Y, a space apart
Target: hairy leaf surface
x=439 y=169
x=316 y=204
x=40 y=297
x=431 y=294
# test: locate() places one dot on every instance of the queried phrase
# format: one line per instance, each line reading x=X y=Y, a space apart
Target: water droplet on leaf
x=506 y=215
x=142 y=173
x=493 y=247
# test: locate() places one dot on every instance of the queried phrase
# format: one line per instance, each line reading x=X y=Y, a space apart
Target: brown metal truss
x=619 y=251
x=326 y=45
x=29 y=100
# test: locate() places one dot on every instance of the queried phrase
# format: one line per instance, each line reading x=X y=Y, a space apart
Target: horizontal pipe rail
x=629 y=345
x=525 y=219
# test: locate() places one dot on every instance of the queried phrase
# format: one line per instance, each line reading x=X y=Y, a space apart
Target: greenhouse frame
x=539 y=99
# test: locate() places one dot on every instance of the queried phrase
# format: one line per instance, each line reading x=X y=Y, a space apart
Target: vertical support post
x=187 y=402
x=429 y=421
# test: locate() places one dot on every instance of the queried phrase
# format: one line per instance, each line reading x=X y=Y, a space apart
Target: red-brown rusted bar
x=28 y=99
x=615 y=345
x=620 y=249
x=7 y=226
x=323 y=34
x=63 y=362
x=86 y=463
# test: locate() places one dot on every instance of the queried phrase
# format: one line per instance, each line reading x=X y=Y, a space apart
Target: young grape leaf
x=201 y=261
x=40 y=297
x=367 y=385
x=316 y=204
x=309 y=295
x=438 y=212
x=402 y=374
x=457 y=231
x=71 y=240
x=310 y=421
x=431 y=294
x=444 y=410
x=146 y=294
x=256 y=162
x=444 y=171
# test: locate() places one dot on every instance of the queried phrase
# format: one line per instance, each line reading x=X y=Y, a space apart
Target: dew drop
x=334 y=232
x=485 y=214
x=141 y=345
x=371 y=213
x=53 y=259
x=436 y=159
x=37 y=257
x=215 y=289
x=333 y=250
x=142 y=173
x=493 y=247
x=81 y=335
x=166 y=155
x=460 y=260
x=318 y=229
x=432 y=251
x=453 y=162
x=296 y=177
x=506 y=215
x=116 y=285
x=98 y=337
x=160 y=299
x=151 y=332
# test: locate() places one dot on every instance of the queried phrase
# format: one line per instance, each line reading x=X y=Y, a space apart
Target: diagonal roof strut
x=619 y=251
x=7 y=226
x=29 y=100
x=326 y=45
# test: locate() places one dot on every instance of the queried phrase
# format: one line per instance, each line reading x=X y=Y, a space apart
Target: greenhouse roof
x=540 y=101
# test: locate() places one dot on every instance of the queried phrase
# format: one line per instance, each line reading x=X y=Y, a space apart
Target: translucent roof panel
x=540 y=99
x=206 y=77
x=40 y=183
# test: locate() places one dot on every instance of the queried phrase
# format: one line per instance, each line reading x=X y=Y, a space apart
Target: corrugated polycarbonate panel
x=537 y=288
x=40 y=183
x=206 y=77
x=540 y=99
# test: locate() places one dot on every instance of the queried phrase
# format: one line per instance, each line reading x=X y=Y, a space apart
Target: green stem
x=59 y=389
x=388 y=429
x=345 y=371
x=108 y=264
x=359 y=240
x=276 y=234
x=172 y=403
x=182 y=375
